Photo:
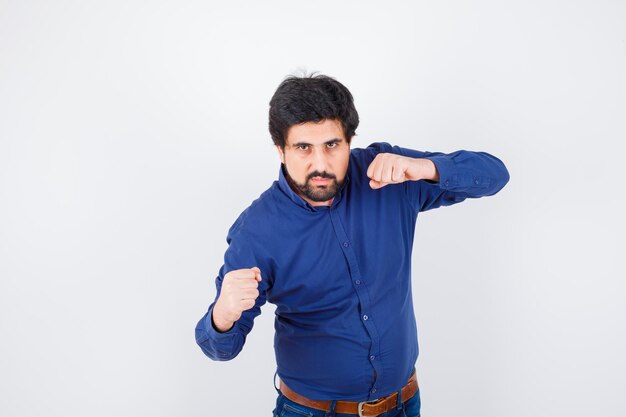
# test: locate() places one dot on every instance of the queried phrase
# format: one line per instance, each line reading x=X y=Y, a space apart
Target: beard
x=317 y=193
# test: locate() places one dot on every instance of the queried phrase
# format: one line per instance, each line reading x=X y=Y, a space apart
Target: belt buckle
x=360 y=406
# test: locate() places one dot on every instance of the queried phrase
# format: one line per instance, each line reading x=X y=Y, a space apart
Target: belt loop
x=400 y=406
x=331 y=413
x=274 y=382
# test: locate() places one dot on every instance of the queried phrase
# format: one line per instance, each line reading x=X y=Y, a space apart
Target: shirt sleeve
x=462 y=174
x=224 y=346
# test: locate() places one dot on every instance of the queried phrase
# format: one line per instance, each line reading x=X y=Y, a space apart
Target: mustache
x=321 y=175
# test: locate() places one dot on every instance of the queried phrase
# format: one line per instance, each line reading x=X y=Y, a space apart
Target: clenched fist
x=238 y=294
x=389 y=168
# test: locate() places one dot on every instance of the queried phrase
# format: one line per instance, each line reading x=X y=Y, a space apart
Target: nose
x=319 y=161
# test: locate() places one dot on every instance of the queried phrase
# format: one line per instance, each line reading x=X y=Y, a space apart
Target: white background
x=132 y=134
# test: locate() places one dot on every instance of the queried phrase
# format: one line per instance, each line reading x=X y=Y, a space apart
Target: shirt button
x=365 y=317
x=447 y=183
x=372 y=357
x=357 y=282
x=373 y=390
x=475 y=181
x=346 y=244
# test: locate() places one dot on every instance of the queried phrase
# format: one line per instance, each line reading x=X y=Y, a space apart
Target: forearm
x=475 y=173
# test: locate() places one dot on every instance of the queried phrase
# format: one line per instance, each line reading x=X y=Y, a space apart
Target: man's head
x=312 y=120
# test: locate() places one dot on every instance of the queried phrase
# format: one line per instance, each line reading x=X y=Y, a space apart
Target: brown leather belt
x=363 y=408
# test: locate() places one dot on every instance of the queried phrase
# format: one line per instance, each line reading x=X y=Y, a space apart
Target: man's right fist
x=238 y=294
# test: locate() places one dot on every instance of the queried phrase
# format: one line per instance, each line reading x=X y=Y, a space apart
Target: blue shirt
x=340 y=275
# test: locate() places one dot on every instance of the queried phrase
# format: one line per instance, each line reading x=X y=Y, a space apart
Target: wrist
x=432 y=173
x=425 y=169
x=220 y=323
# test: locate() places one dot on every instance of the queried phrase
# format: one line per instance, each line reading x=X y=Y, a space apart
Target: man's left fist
x=389 y=168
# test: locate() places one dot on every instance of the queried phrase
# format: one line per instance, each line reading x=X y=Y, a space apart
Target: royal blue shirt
x=340 y=275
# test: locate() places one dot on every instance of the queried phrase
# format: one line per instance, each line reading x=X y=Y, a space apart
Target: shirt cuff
x=445 y=168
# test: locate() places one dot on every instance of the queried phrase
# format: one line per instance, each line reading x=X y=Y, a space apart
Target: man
x=329 y=244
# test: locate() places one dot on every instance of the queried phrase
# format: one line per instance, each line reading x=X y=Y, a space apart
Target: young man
x=329 y=244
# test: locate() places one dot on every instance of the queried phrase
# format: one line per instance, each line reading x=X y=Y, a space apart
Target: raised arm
x=434 y=179
x=242 y=286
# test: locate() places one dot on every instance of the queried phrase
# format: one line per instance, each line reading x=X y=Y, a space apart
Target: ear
x=281 y=154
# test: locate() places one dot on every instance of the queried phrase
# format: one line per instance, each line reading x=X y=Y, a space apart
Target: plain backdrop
x=132 y=134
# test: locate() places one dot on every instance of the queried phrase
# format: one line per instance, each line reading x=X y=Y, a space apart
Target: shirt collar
x=283 y=184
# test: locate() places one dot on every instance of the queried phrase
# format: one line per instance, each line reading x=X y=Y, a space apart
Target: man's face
x=316 y=159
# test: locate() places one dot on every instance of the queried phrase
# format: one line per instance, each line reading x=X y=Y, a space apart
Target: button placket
x=361 y=292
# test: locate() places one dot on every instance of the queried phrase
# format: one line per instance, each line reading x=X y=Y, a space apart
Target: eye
x=303 y=147
x=332 y=145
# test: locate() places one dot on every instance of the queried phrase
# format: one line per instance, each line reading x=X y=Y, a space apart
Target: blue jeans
x=287 y=408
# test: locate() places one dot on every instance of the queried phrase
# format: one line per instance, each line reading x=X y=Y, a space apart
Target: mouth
x=320 y=180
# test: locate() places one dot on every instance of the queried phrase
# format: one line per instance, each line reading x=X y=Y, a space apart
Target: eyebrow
x=334 y=140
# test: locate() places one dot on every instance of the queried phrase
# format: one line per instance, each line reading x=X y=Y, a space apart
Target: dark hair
x=310 y=98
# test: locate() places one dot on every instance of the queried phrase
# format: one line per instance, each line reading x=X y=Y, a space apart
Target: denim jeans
x=287 y=408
